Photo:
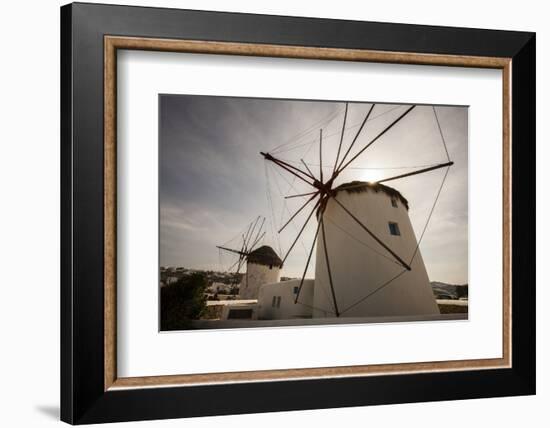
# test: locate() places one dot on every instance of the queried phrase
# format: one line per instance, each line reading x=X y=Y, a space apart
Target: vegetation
x=182 y=301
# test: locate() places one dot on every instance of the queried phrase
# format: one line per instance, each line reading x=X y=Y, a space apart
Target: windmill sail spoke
x=420 y=171
x=233 y=265
x=371 y=142
x=231 y=250
x=248 y=230
x=307 y=263
x=301 y=230
x=288 y=165
x=307 y=167
x=327 y=260
x=244 y=241
x=254 y=233
x=241 y=262
x=256 y=241
x=249 y=237
x=297 y=212
x=376 y=238
x=290 y=168
x=321 y=155
x=301 y=195
x=341 y=139
x=339 y=169
x=245 y=236
x=293 y=173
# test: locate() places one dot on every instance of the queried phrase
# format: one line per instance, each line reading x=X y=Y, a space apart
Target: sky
x=214 y=182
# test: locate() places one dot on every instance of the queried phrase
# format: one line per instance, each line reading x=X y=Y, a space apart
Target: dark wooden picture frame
x=90 y=389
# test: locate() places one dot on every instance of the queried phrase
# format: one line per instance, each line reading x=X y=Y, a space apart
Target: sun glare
x=372 y=175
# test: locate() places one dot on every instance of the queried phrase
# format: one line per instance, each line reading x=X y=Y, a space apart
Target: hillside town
x=222 y=291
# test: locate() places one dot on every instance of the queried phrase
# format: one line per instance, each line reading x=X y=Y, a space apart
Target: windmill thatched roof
x=363 y=186
x=265 y=255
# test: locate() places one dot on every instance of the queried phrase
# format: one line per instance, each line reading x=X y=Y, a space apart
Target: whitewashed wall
x=287 y=309
x=357 y=270
x=255 y=276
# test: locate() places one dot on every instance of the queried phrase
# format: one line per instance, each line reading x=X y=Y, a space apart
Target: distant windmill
x=323 y=195
x=254 y=234
x=262 y=262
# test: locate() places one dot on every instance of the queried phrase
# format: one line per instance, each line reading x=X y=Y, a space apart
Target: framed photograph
x=360 y=261
x=275 y=213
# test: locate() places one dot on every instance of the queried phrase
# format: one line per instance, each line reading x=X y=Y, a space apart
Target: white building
x=361 y=266
x=276 y=300
x=220 y=287
x=263 y=266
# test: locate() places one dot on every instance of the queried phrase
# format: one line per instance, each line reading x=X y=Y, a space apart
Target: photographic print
x=282 y=212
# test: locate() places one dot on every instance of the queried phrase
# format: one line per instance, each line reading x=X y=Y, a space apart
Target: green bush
x=182 y=301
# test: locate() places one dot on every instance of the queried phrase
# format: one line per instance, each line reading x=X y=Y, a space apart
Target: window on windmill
x=394 y=202
x=278 y=301
x=274 y=301
x=394 y=229
x=270 y=267
x=296 y=290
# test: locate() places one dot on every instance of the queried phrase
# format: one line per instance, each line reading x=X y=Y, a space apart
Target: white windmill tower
x=263 y=265
x=368 y=261
x=361 y=268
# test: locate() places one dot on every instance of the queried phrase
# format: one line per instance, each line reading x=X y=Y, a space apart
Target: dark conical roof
x=266 y=256
x=363 y=186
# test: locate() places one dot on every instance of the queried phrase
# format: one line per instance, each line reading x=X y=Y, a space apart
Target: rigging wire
x=239 y=234
x=325 y=121
x=291 y=185
x=315 y=307
x=270 y=206
x=304 y=154
x=368 y=168
x=324 y=289
x=285 y=208
x=430 y=215
x=282 y=196
x=441 y=133
x=355 y=125
x=289 y=213
x=374 y=291
x=222 y=264
x=361 y=242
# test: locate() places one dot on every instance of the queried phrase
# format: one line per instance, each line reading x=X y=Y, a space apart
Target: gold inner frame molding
x=113 y=43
